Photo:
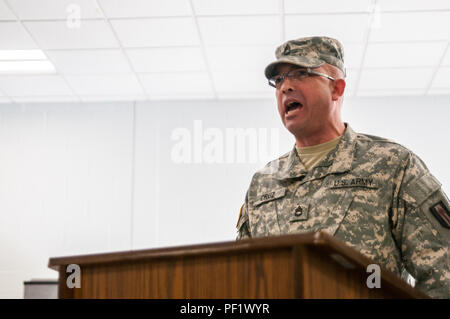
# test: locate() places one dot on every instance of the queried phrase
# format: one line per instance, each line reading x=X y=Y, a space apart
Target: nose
x=286 y=85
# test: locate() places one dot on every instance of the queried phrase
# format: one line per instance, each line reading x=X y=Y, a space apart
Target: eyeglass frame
x=309 y=71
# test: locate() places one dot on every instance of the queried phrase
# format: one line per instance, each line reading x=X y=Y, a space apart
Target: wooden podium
x=313 y=265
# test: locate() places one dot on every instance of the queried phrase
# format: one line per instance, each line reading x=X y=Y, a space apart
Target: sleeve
x=423 y=234
x=243 y=226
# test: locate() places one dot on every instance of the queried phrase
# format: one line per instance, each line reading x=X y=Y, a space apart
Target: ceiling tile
x=442 y=78
x=246 y=82
x=118 y=97
x=220 y=7
x=13 y=36
x=439 y=91
x=246 y=95
x=167 y=59
x=156 y=32
x=242 y=58
x=417 y=54
x=322 y=6
x=344 y=27
x=409 y=5
x=8 y=55
x=34 y=85
x=104 y=84
x=446 y=60
x=412 y=26
x=5 y=12
x=353 y=55
x=55 y=9
x=350 y=80
x=56 y=35
x=373 y=79
x=182 y=96
x=89 y=61
x=240 y=30
x=26 y=67
x=35 y=99
x=176 y=83
x=145 y=8
x=386 y=92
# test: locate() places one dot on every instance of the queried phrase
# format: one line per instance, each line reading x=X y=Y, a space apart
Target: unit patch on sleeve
x=240 y=214
x=442 y=214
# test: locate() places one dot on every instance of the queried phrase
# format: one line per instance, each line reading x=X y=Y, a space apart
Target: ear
x=338 y=89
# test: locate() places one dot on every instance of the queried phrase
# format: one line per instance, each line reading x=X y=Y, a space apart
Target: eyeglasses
x=298 y=74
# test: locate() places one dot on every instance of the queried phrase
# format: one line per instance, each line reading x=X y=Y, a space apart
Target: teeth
x=292 y=105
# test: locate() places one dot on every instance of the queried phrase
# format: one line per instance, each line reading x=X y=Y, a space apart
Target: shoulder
x=274 y=166
x=374 y=140
x=384 y=147
x=265 y=178
x=393 y=154
x=413 y=175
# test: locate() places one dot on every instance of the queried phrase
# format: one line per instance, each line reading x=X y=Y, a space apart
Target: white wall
x=419 y=123
x=64 y=185
x=85 y=178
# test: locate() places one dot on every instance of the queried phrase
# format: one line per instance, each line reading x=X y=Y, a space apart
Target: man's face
x=305 y=105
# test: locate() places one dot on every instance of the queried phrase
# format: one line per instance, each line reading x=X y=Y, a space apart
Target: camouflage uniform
x=375 y=195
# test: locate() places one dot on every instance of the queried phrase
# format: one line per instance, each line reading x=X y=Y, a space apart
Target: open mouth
x=293 y=106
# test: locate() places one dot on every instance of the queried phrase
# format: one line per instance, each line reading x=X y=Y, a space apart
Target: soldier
x=372 y=193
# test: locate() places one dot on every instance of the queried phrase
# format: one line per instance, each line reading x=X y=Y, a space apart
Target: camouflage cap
x=310 y=52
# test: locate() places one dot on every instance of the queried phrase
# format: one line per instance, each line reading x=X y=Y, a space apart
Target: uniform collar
x=338 y=161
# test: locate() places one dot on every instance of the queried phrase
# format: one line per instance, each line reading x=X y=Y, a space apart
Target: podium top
x=313 y=238
x=335 y=248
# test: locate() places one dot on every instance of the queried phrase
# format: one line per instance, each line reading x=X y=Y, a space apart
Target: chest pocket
x=263 y=217
x=325 y=212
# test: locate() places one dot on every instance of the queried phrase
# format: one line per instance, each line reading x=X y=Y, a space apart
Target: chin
x=294 y=128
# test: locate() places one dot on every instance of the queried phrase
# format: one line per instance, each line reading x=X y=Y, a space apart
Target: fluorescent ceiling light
x=14 y=67
x=22 y=55
x=24 y=61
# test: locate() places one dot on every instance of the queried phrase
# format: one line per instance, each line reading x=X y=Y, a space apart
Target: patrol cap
x=310 y=52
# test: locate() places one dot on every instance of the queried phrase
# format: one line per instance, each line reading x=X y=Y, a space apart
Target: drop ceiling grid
x=57 y=73
x=437 y=44
x=365 y=46
x=203 y=50
x=437 y=68
x=438 y=9
x=122 y=49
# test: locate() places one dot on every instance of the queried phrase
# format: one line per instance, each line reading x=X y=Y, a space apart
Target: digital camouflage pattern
x=310 y=52
x=370 y=192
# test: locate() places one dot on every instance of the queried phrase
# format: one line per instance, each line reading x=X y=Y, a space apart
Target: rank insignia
x=298 y=211
x=442 y=214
